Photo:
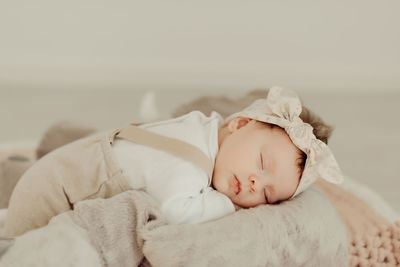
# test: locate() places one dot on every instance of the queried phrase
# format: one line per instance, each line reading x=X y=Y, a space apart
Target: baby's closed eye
x=262 y=161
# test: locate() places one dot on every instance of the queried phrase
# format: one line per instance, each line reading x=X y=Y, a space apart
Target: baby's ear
x=237 y=123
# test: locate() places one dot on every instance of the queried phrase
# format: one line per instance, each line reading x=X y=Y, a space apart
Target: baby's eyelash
x=262 y=162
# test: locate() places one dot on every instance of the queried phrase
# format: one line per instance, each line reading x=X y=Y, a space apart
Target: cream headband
x=283 y=107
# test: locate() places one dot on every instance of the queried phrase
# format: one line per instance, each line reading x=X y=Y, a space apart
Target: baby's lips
x=236 y=184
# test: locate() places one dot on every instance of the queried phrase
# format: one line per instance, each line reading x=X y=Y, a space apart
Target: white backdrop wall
x=139 y=45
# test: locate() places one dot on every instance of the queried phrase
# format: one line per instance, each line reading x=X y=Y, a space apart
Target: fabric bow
x=283 y=107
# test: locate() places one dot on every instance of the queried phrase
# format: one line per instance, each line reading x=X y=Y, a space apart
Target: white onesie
x=179 y=186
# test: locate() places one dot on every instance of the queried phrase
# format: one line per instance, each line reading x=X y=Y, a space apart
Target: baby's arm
x=195 y=208
x=185 y=197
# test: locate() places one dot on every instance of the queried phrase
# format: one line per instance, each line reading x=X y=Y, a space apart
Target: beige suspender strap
x=173 y=146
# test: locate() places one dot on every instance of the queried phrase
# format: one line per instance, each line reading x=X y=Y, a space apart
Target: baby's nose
x=253 y=183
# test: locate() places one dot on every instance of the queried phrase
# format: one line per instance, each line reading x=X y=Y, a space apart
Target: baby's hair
x=321 y=130
x=301 y=161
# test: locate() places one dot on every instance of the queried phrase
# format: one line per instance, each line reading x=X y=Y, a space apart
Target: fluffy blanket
x=127 y=230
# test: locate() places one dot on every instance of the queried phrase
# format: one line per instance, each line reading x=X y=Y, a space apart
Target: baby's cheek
x=218 y=183
x=224 y=185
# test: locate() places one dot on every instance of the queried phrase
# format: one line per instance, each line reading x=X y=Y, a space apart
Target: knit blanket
x=372 y=241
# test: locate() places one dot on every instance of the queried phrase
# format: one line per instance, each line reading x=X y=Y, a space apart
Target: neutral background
x=92 y=61
x=236 y=44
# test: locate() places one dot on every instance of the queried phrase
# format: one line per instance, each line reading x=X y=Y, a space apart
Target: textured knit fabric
x=372 y=240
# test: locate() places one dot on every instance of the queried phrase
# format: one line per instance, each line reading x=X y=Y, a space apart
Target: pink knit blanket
x=372 y=240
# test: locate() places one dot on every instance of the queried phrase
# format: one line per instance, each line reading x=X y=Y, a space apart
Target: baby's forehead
x=280 y=147
x=274 y=131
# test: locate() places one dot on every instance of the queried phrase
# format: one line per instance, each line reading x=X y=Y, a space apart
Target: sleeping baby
x=197 y=168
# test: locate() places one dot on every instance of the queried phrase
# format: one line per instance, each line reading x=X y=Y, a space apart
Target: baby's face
x=255 y=164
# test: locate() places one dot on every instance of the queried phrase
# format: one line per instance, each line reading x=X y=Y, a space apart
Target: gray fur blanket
x=127 y=230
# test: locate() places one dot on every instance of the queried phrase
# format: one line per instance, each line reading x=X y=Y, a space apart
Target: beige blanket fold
x=372 y=240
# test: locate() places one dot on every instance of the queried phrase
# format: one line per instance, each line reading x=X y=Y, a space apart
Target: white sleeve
x=207 y=205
